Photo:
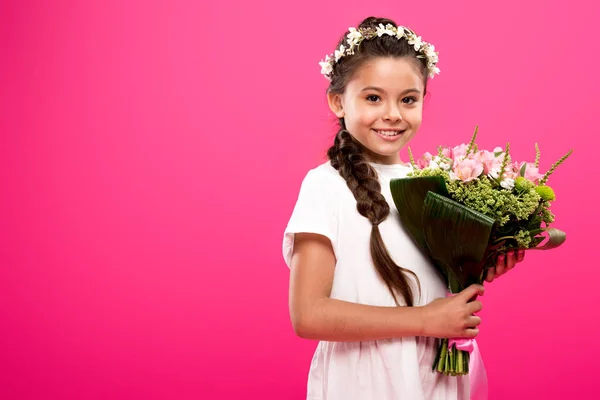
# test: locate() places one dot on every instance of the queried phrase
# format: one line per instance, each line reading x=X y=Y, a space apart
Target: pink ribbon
x=462 y=344
x=477 y=375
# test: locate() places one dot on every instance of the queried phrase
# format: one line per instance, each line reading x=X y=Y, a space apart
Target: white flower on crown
x=326 y=67
x=400 y=32
x=339 y=53
x=430 y=53
x=385 y=30
x=415 y=41
x=355 y=37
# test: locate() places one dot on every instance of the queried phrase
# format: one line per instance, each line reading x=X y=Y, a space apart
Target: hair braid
x=346 y=156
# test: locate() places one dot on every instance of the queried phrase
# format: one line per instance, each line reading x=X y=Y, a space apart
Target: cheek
x=415 y=116
x=360 y=116
x=368 y=115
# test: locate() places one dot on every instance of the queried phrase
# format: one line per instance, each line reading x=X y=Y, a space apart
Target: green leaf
x=556 y=237
x=534 y=223
x=535 y=242
x=409 y=196
x=523 y=169
x=457 y=238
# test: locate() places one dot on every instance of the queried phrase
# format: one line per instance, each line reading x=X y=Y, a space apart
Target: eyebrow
x=375 y=88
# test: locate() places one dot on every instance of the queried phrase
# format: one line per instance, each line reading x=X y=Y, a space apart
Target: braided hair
x=348 y=158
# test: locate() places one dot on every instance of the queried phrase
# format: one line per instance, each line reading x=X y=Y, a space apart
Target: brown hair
x=347 y=155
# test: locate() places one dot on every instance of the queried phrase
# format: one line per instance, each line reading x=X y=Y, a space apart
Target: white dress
x=392 y=369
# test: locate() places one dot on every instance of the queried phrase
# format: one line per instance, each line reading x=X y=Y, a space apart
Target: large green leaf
x=556 y=237
x=409 y=196
x=457 y=238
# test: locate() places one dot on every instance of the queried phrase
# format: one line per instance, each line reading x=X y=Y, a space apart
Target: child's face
x=385 y=93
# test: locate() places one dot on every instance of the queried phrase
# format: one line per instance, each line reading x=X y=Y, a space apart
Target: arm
x=316 y=316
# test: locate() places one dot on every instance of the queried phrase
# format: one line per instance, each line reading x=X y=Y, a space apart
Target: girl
x=358 y=284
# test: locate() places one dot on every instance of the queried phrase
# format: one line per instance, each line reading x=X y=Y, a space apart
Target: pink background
x=151 y=154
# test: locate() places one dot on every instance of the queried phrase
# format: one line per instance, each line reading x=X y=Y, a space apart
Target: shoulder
x=324 y=177
x=323 y=186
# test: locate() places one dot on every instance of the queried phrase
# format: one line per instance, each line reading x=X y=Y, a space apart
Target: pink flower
x=515 y=166
x=467 y=170
x=483 y=155
x=447 y=152
x=424 y=161
x=532 y=173
x=489 y=161
x=510 y=174
x=511 y=171
x=459 y=151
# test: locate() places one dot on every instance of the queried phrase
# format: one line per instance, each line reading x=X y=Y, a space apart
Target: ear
x=335 y=104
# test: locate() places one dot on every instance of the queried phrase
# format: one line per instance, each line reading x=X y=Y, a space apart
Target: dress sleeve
x=316 y=211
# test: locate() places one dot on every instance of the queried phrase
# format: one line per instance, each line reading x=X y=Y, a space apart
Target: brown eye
x=372 y=98
x=409 y=98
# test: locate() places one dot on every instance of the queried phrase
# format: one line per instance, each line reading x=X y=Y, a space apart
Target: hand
x=452 y=317
x=504 y=264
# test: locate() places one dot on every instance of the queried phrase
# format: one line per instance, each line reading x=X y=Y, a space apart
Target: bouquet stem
x=451 y=361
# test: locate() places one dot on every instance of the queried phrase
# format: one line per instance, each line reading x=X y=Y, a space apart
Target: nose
x=393 y=113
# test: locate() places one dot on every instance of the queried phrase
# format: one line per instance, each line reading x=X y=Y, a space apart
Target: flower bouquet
x=464 y=207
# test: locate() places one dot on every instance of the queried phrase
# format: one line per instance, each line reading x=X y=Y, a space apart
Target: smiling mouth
x=390 y=133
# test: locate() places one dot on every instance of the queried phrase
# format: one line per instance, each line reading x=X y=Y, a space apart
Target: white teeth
x=389 y=133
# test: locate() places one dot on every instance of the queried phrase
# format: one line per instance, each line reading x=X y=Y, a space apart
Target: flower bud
x=545 y=192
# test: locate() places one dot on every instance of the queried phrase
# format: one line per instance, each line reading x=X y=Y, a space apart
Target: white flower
x=440 y=162
x=433 y=71
x=354 y=35
x=351 y=45
x=388 y=30
x=354 y=38
x=326 y=66
x=430 y=51
x=494 y=173
x=508 y=183
x=339 y=53
x=432 y=58
x=415 y=41
x=433 y=165
x=400 y=32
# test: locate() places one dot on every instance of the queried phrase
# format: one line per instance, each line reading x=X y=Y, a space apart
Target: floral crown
x=356 y=36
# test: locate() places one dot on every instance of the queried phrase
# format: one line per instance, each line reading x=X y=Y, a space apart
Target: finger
x=470 y=292
x=516 y=256
x=474 y=307
x=473 y=322
x=520 y=255
x=500 y=265
x=470 y=333
x=511 y=259
x=490 y=274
